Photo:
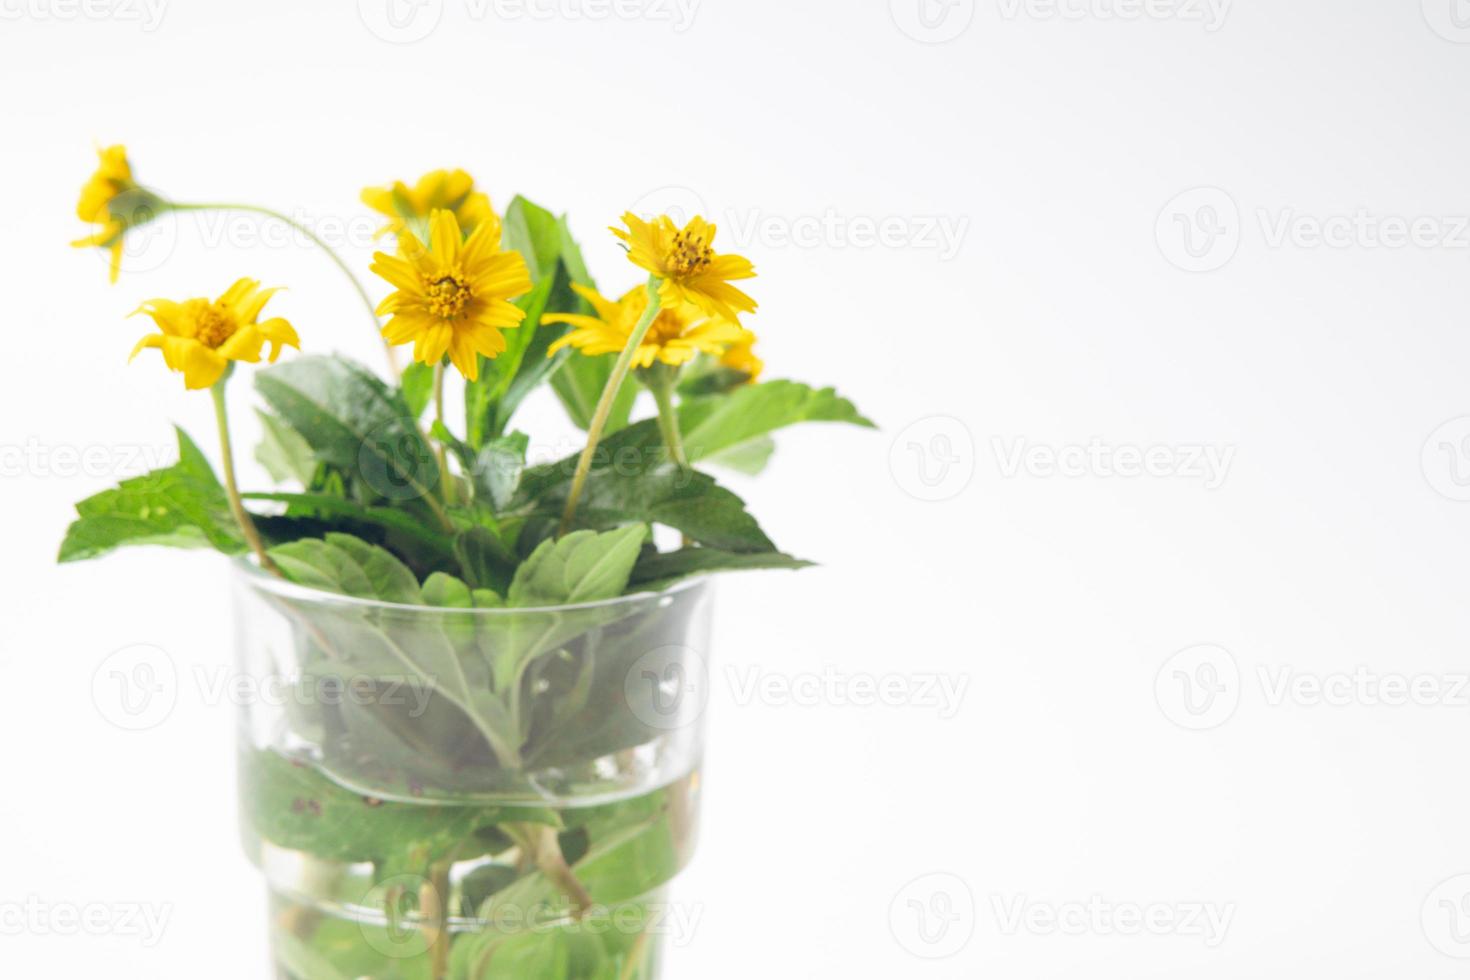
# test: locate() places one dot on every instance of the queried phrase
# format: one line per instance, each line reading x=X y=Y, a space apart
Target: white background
x=1065 y=313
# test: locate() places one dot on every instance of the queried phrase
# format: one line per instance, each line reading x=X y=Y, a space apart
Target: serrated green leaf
x=582 y=567
x=447 y=592
x=182 y=506
x=655 y=572
x=354 y=422
x=718 y=424
x=284 y=454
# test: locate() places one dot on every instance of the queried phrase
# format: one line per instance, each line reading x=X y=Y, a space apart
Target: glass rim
x=250 y=572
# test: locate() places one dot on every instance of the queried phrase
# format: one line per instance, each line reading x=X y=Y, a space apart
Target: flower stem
x=316 y=240
x=661 y=383
x=440 y=450
x=605 y=404
x=242 y=516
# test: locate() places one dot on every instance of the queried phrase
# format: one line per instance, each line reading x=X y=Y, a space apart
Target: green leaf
x=350 y=566
x=582 y=567
x=417 y=387
x=655 y=572
x=718 y=424
x=283 y=453
x=749 y=457
x=326 y=506
x=633 y=480
x=354 y=422
x=484 y=558
x=496 y=471
x=182 y=506
x=447 y=592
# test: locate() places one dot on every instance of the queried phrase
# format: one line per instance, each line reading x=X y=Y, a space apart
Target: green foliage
x=582 y=567
x=182 y=506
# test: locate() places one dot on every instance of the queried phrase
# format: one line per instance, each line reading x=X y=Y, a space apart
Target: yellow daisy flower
x=454 y=296
x=114 y=202
x=676 y=335
x=691 y=270
x=742 y=357
x=201 y=338
x=408 y=208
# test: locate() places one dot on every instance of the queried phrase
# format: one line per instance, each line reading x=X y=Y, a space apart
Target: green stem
x=661 y=382
x=242 y=516
x=605 y=404
x=441 y=450
x=316 y=240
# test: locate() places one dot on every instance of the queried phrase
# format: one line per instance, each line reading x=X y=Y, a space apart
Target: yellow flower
x=691 y=270
x=201 y=338
x=114 y=202
x=742 y=357
x=676 y=335
x=453 y=297
x=442 y=190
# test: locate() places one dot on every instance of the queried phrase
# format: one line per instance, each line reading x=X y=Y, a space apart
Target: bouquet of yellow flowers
x=486 y=762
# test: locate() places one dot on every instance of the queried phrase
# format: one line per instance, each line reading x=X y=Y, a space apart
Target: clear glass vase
x=470 y=793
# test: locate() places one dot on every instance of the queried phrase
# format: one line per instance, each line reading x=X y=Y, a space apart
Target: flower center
x=448 y=296
x=690 y=255
x=666 y=326
x=215 y=327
